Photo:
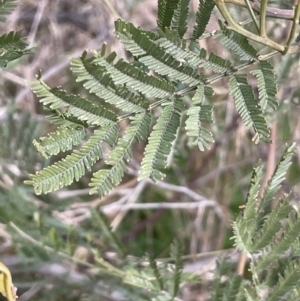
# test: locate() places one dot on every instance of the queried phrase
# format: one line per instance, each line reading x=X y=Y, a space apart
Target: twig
x=149 y=206
x=252 y=15
x=262 y=22
x=132 y=197
x=278 y=13
x=239 y=29
x=293 y=29
x=14 y=78
x=37 y=20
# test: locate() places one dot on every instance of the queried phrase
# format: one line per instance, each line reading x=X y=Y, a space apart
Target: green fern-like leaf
x=61 y=140
x=141 y=279
x=217 y=64
x=197 y=114
x=202 y=17
x=6 y=7
x=166 y=10
x=257 y=229
x=251 y=294
x=182 y=49
x=176 y=253
x=155 y=59
x=266 y=82
x=278 y=177
x=179 y=20
x=279 y=246
x=59 y=118
x=272 y=225
x=191 y=53
x=64 y=172
x=287 y=283
x=250 y=212
x=246 y=224
x=156 y=272
x=12 y=47
x=237 y=43
x=104 y=180
x=97 y=81
x=125 y=73
x=16 y=140
x=235 y=288
x=12 y=41
x=248 y=107
x=77 y=106
x=160 y=142
x=219 y=287
x=110 y=238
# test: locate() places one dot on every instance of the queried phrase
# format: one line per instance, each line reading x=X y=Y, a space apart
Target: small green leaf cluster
x=166 y=67
x=12 y=46
x=268 y=232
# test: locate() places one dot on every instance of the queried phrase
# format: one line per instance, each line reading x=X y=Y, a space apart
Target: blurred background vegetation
x=146 y=217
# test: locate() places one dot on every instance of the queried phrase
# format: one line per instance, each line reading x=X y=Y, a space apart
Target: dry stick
x=28 y=72
x=131 y=200
x=36 y=21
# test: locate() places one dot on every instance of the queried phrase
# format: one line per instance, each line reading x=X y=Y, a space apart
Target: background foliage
x=212 y=185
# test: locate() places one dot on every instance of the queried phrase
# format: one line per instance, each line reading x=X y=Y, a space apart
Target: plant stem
x=293 y=29
x=272 y=12
x=252 y=15
x=237 y=28
x=213 y=79
x=262 y=20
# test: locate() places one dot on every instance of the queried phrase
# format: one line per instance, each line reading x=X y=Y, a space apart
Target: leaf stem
x=293 y=29
x=262 y=20
x=252 y=15
x=271 y=12
x=237 y=28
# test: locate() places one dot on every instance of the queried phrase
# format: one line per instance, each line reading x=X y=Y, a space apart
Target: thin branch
x=262 y=22
x=132 y=198
x=150 y=206
x=278 y=13
x=239 y=29
x=252 y=15
x=37 y=20
x=293 y=29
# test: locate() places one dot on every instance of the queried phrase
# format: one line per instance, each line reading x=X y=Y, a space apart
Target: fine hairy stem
x=262 y=20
